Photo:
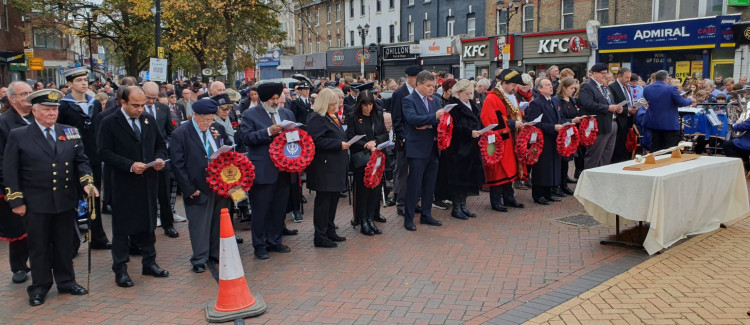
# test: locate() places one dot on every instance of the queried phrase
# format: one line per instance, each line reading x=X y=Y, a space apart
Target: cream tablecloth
x=686 y=198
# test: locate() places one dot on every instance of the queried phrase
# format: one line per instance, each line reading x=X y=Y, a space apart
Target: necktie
x=426 y=105
x=627 y=94
x=207 y=145
x=606 y=95
x=273 y=117
x=50 y=138
x=153 y=111
x=136 y=129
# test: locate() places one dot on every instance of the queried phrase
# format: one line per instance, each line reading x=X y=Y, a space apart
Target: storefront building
x=346 y=63
x=701 y=47
x=311 y=65
x=742 y=49
x=438 y=54
x=269 y=63
x=395 y=60
x=565 y=49
x=475 y=57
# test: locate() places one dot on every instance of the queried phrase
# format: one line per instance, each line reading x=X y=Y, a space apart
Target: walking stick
x=92 y=215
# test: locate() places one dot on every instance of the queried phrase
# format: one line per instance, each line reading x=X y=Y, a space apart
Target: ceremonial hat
x=302 y=85
x=197 y=84
x=222 y=99
x=599 y=67
x=233 y=94
x=512 y=76
x=170 y=93
x=49 y=97
x=71 y=74
x=205 y=106
x=268 y=89
x=413 y=70
x=364 y=86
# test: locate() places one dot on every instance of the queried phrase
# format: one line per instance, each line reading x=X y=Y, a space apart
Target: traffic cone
x=235 y=300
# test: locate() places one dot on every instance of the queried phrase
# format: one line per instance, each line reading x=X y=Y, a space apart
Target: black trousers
x=502 y=195
x=564 y=166
x=164 y=199
x=50 y=239
x=120 y=249
x=661 y=139
x=367 y=200
x=730 y=150
x=538 y=191
x=269 y=203
x=295 y=195
x=97 y=230
x=421 y=184
x=324 y=213
x=18 y=252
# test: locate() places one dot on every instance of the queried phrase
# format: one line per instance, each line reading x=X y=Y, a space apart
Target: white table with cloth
x=685 y=198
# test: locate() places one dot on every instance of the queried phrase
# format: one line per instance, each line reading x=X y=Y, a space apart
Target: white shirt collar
x=43 y=128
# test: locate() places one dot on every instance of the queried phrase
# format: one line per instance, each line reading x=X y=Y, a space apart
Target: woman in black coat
x=568 y=107
x=326 y=175
x=462 y=159
x=365 y=120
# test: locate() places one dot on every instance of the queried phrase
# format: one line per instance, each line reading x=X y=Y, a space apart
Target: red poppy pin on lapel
x=429 y=98
x=61 y=138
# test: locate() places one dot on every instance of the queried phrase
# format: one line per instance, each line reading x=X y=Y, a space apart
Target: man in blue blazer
x=421 y=111
x=596 y=100
x=399 y=133
x=662 y=118
x=270 y=192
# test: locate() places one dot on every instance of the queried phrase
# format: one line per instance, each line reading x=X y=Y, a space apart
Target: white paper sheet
x=487 y=128
x=288 y=125
x=221 y=150
x=355 y=139
x=536 y=120
x=448 y=107
x=154 y=163
x=385 y=145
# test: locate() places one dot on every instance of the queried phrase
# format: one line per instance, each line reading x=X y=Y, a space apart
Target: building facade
x=12 y=43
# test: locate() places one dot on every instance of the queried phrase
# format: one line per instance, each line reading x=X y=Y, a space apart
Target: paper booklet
x=448 y=107
x=154 y=163
x=386 y=145
x=487 y=128
x=288 y=125
x=355 y=139
x=536 y=120
x=221 y=150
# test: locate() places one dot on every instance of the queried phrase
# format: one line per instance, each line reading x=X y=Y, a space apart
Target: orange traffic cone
x=235 y=300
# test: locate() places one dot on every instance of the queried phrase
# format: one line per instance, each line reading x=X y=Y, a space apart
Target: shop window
x=391 y=33
x=410 y=29
x=471 y=25
x=49 y=38
x=681 y=9
x=502 y=22
x=379 y=34
x=426 y=28
x=528 y=18
x=450 y=26
x=567 y=14
x=601 y=12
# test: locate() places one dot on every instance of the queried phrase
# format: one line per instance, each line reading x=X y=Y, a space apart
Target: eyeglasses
x=23 y=94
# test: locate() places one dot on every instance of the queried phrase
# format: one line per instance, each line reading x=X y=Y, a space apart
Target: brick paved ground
x=463 y=272
x=703 y=281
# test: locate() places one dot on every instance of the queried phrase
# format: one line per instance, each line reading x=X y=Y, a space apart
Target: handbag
x=360 y=159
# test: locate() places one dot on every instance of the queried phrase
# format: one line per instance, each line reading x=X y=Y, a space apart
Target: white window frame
x=392 y=33
x=378 y=5
x=338 y=12
x=311 y=47
x=501 y=16
x=362 y=8
x=391 y=4
x=329 y=13
x=338 y=40
x=318 y=43
x=411 y=2
x=701 y=9
x=426 y=32
x=525 y=19
x=351 y=34
x=563 y=14
x=410 y=30
x=330 y=41
x=597 y=10
x=317 y=17
x=471 y=19
x=450 y=26
x=351 y=9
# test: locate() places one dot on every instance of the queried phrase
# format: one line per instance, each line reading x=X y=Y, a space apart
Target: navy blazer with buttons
x=419 y=143
x=254 y=134
x=663 y=101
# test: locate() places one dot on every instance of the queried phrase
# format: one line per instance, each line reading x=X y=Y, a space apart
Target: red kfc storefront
x=566 y=49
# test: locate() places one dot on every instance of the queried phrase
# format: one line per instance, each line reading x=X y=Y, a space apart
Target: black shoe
x=499 y=208
x=557 y=192
x=324 y=243
x=155 y=271
x=439 y=205
x=570 y=180
x=566 y=190
x=542 y=201
x=171 y=232
x=457 y=213
x=244 y=214
x=199 y=268
x=123 y=279
x=20 y=276
x=304 y=200
x=261 y=253
x=364 y=228
x=391 y=202
x=468 y=213
x=401 y=211
x=239 y=240
x=105 y=245
x=552 y=199
x=514 y=205
x=430 y=221
x=36 y=300
x=297 y=216
x=373 y=227
x=380 y=218
x=75 y=290
x=342 y=194
x=280 y=248
x=289 y=232
x=418 y=208
x=409 y=225
x=332 y=235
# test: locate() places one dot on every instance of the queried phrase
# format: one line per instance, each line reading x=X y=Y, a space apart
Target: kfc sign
x=472 y=51
x=568 y=43
x=562 y=45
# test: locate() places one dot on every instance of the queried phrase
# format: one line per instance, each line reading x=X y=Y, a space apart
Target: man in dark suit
x=163 y=119
x=349 y=98
x=270 y=192
x=401 y=170
x=662 y=117
x=190 y=148
x=130 y=144
x=595 y=99
x=43 y=166
x=177 y=110
x=621 y=92
x=302 y=106
x=79 y=110
x=421 y=111
x=11 y=224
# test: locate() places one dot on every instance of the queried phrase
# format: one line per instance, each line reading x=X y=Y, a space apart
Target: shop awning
x=558 y=60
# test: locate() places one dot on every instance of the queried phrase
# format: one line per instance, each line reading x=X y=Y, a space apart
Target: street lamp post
x=512 y=5
x=363 y=31
x=89 y=22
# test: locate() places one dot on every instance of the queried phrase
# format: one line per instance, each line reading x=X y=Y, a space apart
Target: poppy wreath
x=631 y=142
x=372 y=176
x=444 y=132
x=589 y=139
x=484 y=143
x=572 y=146
x=292 y=165
x=525 y=152
x=228 y=171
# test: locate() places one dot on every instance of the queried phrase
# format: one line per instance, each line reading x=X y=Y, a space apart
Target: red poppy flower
x=525 y=152
x=61 y=138
x=373 y=177
x=292 y=165
x=174 y=123
x=429 y=98
x=588 y=137
x=444 y=132
x=484 y=143
x=234 y=124
x=226 y=159
x=572 y=146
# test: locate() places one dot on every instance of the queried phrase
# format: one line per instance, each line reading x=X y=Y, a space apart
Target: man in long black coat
x=128 y=141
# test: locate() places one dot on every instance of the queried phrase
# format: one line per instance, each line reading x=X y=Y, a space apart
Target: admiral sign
x=399 y=52
x=707 y=32
x=569 y=43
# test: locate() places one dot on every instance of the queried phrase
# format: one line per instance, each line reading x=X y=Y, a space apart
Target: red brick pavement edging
x=463 y=272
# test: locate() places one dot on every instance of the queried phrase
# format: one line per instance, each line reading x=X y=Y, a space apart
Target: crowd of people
x=142 y=144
